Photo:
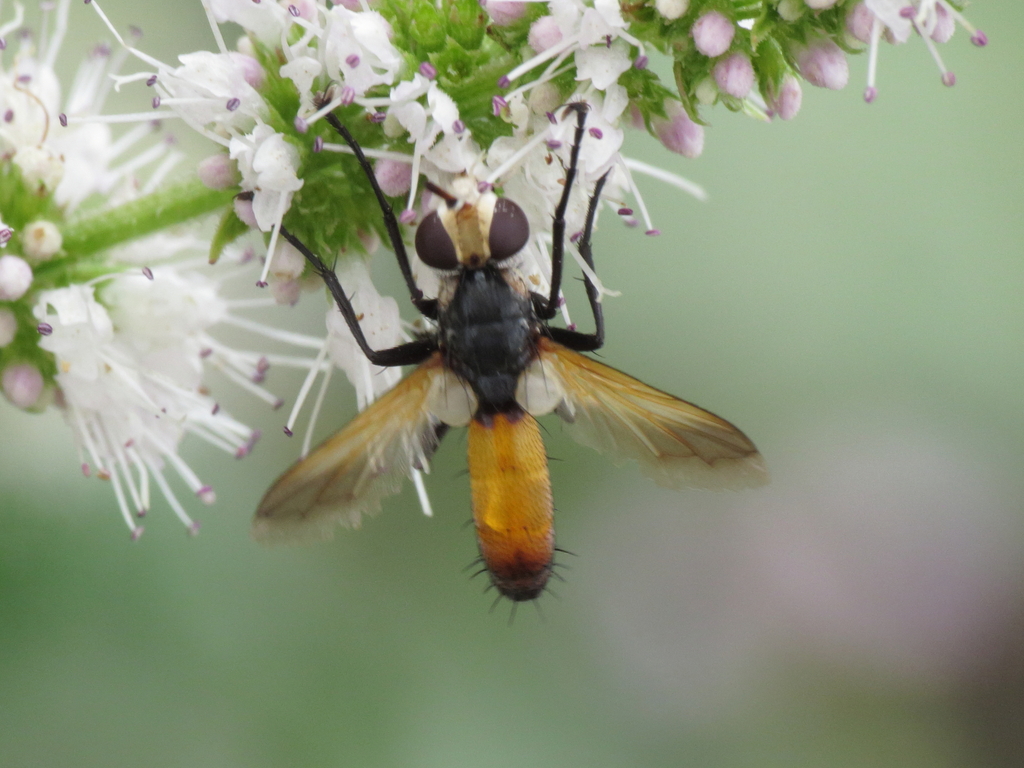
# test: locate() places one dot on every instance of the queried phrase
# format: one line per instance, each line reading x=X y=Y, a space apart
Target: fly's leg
x=428 y=307
x=586 y=342
x=411 y=353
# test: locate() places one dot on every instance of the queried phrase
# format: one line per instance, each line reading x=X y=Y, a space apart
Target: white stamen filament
x=276 y=334
x=217 y=36
x=55 y=41
x=421 y=492
x=158 y=176
x=876 y=37
x=376 y=154
x=140 y=467
x=307 y=385
x=517 y=156
x=540 y=58
x=932 y=49
x=247 y=384
x=15 y=23
x=275 y=230
x=677 y=181
x=165 y=489
x=131 y=117
x=636 y=193
x=307 y=440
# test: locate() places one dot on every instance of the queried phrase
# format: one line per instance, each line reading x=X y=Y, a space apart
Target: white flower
x=357 y=49
x=933 y=20
x=381 y=324
x=266 y=20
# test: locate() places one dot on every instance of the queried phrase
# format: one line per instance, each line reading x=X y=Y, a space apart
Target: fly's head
x=471 y=228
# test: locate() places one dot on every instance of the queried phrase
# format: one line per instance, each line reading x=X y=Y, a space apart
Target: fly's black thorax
x=487 y=334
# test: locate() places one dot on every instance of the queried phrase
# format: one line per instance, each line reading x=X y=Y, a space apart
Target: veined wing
x=677 y=444
x=352 y=471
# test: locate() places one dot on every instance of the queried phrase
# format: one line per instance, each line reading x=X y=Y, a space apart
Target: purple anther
x=428 y=70
x=870 y=94
x=948 y=79
x=551 y=118
x=215 y=410
x=353 y=61
x=62 y=119
x=206 y=495
x=301 y=126
x=597 y=133
x=458 y=126
x=571 y=326
x=348 y=95
x=288 y=432
x=631 y=223
x=318 y=144
x=8 y=115
x=293 y=10
x=140 y=513
x=575 y=236
x=408 y=216
x=484 y=186
x=156 y=102
x=24 y=79
x=138 y=530
x=652 y=232
x=151 y=81
x=498 y=104
x=193 y=530
x=608 y=41
x=378 y=117
x=205 y=352
x=3 y=44
x=980 y=39
x=641 y=62
x=135 y=31
x=45 y=329
x=148 y=273
x=261 y=283
x=86 y=470
x=5 y=236
x=101 y=51
x=263 y=365
x=908 y=11
x=233 y=104
x=504 y=82
x=625 y=211
x=258 y=377
x=552 y=144
x=276 y=406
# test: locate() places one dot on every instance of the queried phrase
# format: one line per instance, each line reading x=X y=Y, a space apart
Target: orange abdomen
x=512 y=508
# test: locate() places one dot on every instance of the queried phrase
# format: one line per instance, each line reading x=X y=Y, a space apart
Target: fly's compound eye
x=434 y=245
x=509 y=229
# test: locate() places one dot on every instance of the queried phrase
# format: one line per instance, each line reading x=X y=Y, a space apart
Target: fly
x=493 y=365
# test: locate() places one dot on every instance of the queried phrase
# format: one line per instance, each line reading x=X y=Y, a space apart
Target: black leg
x=426 y=306
x=547 y=311
x=587 y=342
x=412 y=353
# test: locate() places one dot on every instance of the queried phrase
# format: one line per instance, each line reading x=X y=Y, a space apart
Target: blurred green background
x=851 y=296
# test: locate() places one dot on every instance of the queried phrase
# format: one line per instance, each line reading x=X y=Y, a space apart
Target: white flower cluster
x=131 y=347
x=896 y=20
x=351 y=45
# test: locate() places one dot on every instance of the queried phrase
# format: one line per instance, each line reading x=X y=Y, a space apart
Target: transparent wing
x=352 y=471
x=677 y=444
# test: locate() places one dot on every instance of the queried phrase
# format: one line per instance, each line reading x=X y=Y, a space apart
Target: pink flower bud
x=544 y=33
x=713 y=33
x=945 y=25
x=504 y=13
x=218 y=171
x=22 y=384
x=786 y=103
x=734 y=75
x=15 y=277
x=859 y=22
x=678 y=132
x=243 y=210
x=8 y=326
x=394 y=177
x=286 y=292
x=251 y=69
x=823 y=63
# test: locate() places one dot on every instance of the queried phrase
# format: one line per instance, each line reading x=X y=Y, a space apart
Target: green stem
x=162 y=209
